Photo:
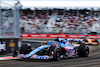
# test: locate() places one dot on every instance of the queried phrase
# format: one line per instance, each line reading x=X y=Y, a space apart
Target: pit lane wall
x=58 y=35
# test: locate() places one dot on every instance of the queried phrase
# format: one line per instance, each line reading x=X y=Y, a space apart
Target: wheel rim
x=58 y=55
x=87 y=52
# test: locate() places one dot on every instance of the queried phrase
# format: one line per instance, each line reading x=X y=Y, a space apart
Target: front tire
x=55 y=53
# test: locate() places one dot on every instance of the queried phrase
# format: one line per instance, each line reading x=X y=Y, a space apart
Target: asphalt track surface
x=93 y=60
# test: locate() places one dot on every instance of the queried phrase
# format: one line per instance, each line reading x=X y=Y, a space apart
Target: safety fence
x=58 y=35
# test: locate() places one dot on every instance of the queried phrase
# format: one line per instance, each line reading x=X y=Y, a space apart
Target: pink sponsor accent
x=33 y=56
x=74 y=53
x=68 y=48
x=22 y=55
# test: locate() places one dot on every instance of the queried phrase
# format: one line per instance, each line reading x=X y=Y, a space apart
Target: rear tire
x=25 y=49
x=83 y=50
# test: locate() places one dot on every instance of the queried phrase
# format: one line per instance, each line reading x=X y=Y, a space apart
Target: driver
x=57 y=39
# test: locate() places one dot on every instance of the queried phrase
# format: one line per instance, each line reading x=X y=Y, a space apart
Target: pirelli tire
x=83 y=50
x=55 y=52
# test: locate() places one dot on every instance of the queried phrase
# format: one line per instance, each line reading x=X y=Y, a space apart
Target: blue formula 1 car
x=54 y=50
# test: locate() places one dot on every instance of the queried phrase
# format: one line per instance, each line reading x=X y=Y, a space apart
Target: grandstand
x=60 y=21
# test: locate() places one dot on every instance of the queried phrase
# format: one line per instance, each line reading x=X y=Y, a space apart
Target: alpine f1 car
x=54 y=50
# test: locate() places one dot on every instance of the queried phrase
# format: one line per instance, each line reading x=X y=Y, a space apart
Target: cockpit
x=52 y=44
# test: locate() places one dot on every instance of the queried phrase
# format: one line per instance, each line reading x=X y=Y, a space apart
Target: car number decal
x=71 y=51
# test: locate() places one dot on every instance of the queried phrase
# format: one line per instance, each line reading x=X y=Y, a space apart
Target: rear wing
x=74 y=40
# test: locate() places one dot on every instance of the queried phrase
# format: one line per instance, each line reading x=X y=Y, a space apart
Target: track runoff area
x=93 y=60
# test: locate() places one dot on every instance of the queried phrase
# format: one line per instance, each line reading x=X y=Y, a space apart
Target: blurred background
x=60 y=21
x=64 y=18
